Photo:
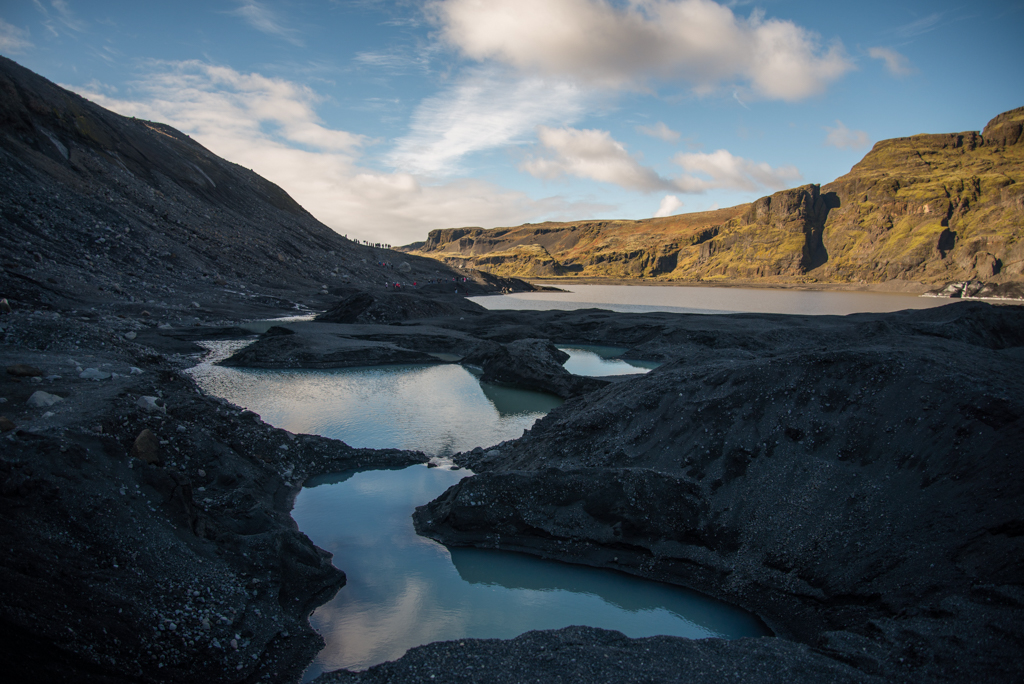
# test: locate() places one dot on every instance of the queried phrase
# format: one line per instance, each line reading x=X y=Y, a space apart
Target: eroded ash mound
x=858 y=486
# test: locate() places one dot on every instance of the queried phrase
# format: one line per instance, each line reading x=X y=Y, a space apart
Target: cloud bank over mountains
x=270 y=125
x=595 y=155
x=517 y=91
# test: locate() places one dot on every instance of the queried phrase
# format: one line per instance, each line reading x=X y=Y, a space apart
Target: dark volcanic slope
x=99 y=208
x=151 y=541
x=855 y=481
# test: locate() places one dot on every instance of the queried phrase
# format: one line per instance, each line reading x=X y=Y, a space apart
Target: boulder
x=42 y=399
x=147 y=447
x=94 y=374
x=530 y=363
x=151 y=405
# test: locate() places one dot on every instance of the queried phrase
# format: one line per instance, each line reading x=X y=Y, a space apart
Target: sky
x=390 y=118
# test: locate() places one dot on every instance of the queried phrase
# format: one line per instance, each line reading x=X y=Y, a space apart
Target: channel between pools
x=404 y=590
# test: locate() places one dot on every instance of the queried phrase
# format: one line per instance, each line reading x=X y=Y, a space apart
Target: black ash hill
x=97 y=208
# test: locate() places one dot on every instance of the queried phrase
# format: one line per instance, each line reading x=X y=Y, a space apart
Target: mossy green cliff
x=922 y=211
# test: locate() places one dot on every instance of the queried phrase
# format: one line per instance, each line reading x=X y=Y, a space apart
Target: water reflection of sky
x=438 y=409
x=598 y=361
x=404 y=590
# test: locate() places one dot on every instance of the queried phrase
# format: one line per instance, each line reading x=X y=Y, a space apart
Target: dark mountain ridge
x=98 y=208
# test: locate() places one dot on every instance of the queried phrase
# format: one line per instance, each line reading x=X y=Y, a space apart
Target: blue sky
x=389 y=118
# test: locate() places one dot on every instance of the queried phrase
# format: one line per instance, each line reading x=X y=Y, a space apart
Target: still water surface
x=437 y=409
x=404 y=590
x=708 y=300
x=599 y=361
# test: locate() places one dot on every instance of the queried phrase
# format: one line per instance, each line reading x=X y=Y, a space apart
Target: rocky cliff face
x=932 y=208
x=926 y=210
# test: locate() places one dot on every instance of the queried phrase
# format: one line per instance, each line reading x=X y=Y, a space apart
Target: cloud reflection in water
x=439 y=409
x=404 y=590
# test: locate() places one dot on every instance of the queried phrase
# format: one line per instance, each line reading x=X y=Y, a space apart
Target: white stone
x=94 y=374
x=41 y=399
x=130 y=335
x=136 y=371
x=150 y=404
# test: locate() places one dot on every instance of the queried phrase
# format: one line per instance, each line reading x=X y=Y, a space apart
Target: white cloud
x=659 y=130
x=845 y=139
x=669 y=205
x=13 y=40
x=723 y=170
x=264 y=20
x=217 y=101
x=594 y=155
x=698 y=41
x=897 y=64
x=484 y=110
x=270 y=125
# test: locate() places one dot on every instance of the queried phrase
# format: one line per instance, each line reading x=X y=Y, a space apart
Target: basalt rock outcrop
x=279 y=347
x=530 y=363
x=916 y=212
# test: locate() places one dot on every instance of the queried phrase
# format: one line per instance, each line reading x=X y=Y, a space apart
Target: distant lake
x=709 y=300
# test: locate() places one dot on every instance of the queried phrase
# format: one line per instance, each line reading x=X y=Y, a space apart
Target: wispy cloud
x=485 y=109
x=66 y=16
x=897 y=64
x=845 y=139
x=263 y=19
x=61 y=16
x=13 y=40
x=394 y=61
x=660 y=131
x=918 y=26
x=595 y=155
x=270 y=125
x=608 y=45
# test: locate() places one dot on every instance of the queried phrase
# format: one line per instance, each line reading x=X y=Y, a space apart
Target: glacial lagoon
x=708 y=300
